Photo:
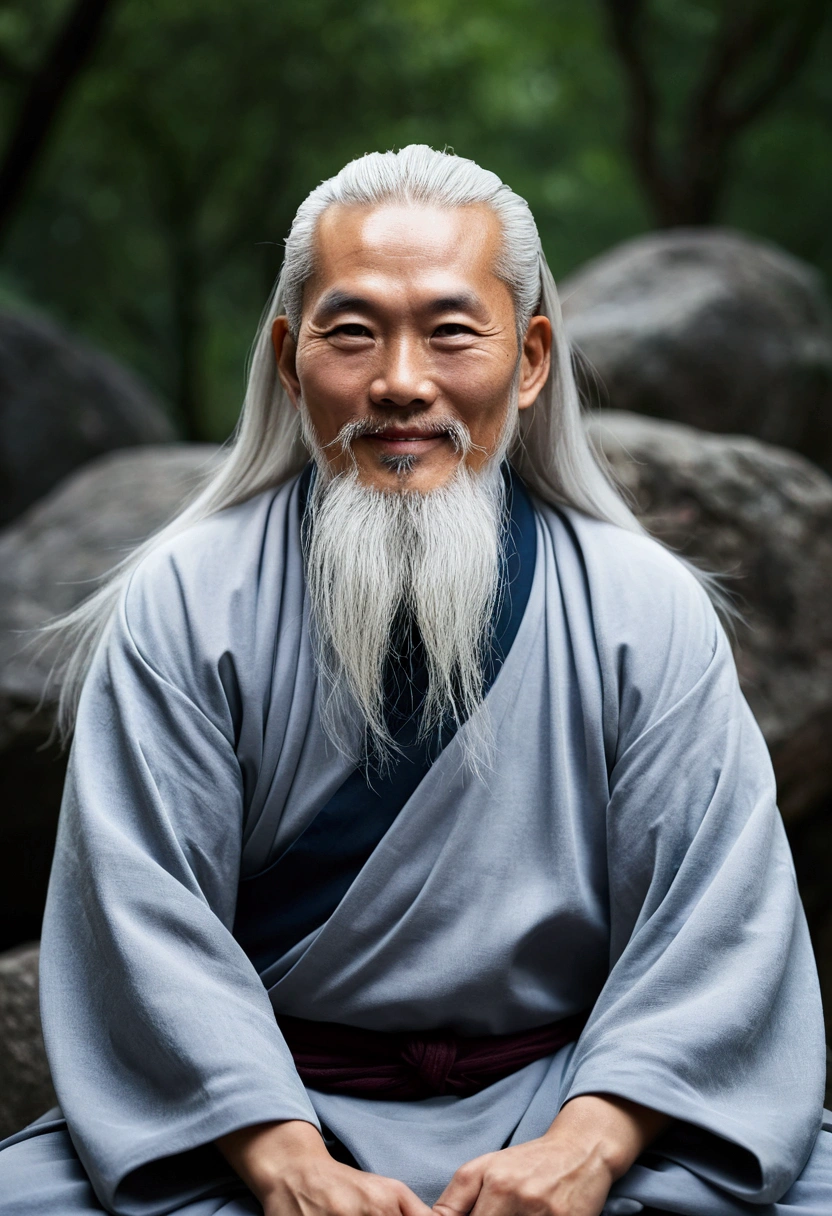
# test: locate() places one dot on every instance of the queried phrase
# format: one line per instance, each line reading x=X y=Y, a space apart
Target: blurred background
x=676 y=155
x=155 y=151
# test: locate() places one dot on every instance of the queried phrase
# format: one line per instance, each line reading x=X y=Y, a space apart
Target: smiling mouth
x=399 y=449
x=395 y=439
x=407 y=440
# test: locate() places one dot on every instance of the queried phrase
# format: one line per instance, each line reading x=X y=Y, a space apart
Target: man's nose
x=404 y=377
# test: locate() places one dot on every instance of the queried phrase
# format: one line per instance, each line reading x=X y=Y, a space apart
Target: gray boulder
x=62 y=403
x=761 y=516
x=708 y=328
x=50 y=559
x=25 y=1086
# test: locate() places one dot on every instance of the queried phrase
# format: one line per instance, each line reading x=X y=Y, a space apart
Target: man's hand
x=291 y=1173
x=567 y=1172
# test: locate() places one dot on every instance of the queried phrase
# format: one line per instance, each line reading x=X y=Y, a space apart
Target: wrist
x=614 y=1130
x=263 y=1155
x=598 y=1146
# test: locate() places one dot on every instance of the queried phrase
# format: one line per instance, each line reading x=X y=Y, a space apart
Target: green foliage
x=156 y=220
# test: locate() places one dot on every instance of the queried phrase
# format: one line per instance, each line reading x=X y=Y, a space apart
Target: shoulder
x=215 y=552
x=632 y=579
x=215 y=558
x=655 y=628
x=197 y=592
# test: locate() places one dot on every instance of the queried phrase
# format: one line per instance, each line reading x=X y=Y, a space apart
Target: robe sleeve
x=711 y=1010
x=159 y=1032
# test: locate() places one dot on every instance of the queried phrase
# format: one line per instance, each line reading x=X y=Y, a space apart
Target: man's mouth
x=400 y=440
x=406 y=440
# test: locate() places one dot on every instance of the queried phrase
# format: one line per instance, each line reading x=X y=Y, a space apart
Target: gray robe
x=624 y=853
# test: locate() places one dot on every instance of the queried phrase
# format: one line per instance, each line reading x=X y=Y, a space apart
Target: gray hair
x=551 y=451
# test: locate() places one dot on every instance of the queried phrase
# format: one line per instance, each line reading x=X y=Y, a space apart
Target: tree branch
x=624 y=18
x=733 y=45
x=706 y=135
x=795 y=52
x=685 y=189
x=12 y=69
x=49 y=87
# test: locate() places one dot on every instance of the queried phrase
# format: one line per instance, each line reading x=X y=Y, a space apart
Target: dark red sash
x=376 y=1064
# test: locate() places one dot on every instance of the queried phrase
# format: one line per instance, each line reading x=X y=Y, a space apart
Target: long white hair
x=551 y=452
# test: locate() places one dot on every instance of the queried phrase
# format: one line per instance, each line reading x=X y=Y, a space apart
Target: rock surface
x=49 y=560
x=62 y=403
x=763 y=517
x=25 y=1087
x=708 y=328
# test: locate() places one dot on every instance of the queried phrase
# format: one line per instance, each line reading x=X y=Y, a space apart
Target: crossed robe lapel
x=301 y=888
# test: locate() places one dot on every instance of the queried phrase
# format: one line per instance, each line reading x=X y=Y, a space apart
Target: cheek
x=479 y=390
x=330 y=384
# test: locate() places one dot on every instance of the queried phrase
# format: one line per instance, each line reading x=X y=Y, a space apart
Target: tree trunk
x=685 y=186
x=41 y=105
x=187 y=321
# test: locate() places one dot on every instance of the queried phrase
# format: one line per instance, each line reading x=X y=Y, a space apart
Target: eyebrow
x=336 y=300
x=463 y=301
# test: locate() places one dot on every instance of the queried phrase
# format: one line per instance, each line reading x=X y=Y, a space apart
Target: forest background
x=156 y=150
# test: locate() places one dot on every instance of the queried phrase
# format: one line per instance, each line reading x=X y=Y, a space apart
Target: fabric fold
x=624 y=853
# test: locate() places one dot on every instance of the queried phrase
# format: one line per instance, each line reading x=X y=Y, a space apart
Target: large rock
x=62 y=403
x=708 y=328
x=25 y=1087
x=49 y=560
x=762 y=517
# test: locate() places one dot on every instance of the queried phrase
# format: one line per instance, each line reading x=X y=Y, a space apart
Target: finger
x=462 y=1192
x=410 y=1204
x=497 y=1200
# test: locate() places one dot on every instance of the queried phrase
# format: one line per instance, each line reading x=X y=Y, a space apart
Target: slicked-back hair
x=551 y=451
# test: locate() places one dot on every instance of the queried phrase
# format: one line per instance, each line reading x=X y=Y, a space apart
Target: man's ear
x=535 y=361
x=285 y=350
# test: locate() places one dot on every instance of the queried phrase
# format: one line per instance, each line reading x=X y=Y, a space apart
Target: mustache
x=450 y=428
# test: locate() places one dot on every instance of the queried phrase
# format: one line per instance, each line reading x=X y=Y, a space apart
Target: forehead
x=408 y=246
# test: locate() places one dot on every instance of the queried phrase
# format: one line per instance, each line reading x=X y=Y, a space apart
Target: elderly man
x=418 y=846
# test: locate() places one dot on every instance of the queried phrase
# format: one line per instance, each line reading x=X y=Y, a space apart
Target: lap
x=811 y=1194
x=667 y=1189
x=42 y=1175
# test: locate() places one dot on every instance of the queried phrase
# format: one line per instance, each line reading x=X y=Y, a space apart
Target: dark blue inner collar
x=406 y=675
x=300 y=890
x=406 y=672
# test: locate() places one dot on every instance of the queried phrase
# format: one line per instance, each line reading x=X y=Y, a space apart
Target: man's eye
x=452 y=329
x=351 y=330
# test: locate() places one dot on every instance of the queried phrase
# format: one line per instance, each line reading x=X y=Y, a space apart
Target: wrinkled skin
x=406 y=323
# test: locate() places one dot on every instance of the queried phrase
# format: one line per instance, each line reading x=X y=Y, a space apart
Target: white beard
x=370 y=554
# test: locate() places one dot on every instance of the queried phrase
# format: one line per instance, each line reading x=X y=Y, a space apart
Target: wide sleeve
x=159 y=1032
x=711 y=1011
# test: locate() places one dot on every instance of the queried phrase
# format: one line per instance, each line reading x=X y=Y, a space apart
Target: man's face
x=406 y=326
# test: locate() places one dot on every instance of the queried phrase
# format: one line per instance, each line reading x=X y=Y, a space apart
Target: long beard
x=373 y=555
